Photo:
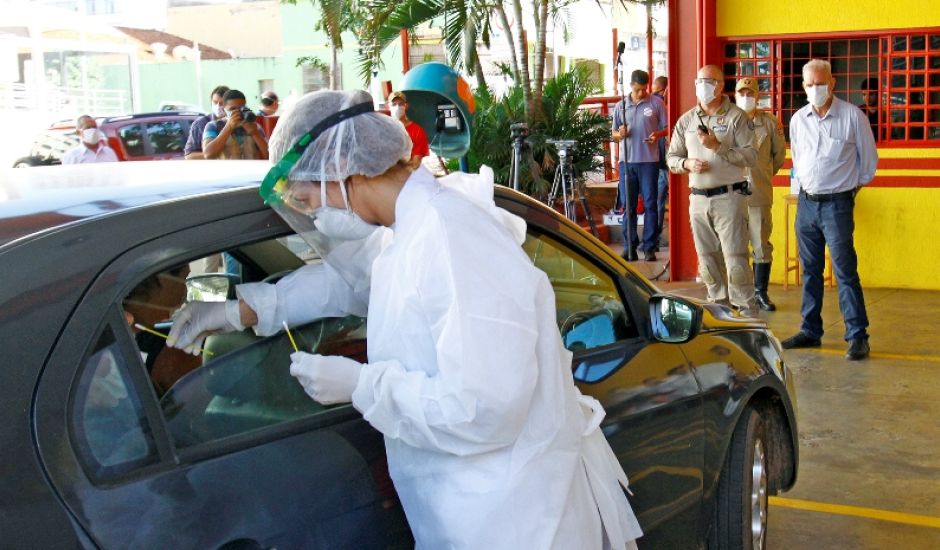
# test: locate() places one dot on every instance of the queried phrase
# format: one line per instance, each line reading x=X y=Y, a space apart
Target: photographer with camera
x=237 y=136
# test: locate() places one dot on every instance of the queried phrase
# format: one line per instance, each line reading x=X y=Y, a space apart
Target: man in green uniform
x=771 y=151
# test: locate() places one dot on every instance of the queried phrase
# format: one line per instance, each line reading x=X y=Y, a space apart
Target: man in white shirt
x=92 y=148
x=834 y=155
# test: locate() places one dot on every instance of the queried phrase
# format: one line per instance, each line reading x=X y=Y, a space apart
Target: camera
x=519 y=130
x=563 y=145
x=247 y=114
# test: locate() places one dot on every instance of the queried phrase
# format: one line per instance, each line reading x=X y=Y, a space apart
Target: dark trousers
x=663 y=198
x=636 y=178
x=830 y=223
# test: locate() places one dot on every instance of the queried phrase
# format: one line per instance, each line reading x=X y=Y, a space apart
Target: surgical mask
x=818 y=94
x=397 y=111
x=218 y=110
x=705 y=92
x=341 y=224
x=746 y=103
x=90 y=136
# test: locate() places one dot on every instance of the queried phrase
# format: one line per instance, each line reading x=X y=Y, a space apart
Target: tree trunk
x=523 y=60
x=471 y=55
x=478 y=70
x=334 y=68
x=513 y=59
x=540 y=48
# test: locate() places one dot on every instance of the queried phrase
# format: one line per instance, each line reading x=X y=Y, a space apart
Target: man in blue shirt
x=638 y=122
x=834 y=154
x=193 y=148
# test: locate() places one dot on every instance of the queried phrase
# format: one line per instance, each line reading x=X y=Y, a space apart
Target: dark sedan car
x=112 y=440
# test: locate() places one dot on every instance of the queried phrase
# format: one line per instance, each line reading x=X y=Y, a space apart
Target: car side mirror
x=211 y=287
x=673 y=319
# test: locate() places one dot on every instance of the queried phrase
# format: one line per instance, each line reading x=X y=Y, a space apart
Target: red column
x=405 y=52
x=692 y=43
x=614 y=43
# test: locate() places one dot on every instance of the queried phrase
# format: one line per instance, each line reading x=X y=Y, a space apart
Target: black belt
x=740 y=186
x=828 y=197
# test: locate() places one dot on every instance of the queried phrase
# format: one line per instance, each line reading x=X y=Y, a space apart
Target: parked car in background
x=111 y=440
x=178 y=106
x=144 y=136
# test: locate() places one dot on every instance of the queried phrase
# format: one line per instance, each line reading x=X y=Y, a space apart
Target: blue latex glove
x=328 y=379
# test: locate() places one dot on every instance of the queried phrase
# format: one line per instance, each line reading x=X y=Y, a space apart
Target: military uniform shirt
x=771 y=152
x=728 y=164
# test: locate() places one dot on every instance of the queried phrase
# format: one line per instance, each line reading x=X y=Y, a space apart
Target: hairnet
x=367 y=144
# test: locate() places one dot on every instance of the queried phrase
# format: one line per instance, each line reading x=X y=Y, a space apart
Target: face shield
x=297 y=202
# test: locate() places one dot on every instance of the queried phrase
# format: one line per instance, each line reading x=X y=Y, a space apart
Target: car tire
x=27 y=162
x=741 y=499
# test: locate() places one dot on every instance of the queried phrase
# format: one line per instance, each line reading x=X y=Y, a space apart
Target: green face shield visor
x=296 y=202
x=275 y=188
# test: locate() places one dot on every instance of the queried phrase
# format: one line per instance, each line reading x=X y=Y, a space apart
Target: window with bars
x=905 y=69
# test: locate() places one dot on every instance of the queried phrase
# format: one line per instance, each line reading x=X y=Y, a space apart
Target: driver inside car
x=149 y=303
x=489 y=442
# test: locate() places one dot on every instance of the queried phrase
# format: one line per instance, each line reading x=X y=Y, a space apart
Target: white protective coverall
x=490 y=444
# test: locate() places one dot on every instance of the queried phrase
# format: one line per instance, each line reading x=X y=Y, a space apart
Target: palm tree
x=465 y=22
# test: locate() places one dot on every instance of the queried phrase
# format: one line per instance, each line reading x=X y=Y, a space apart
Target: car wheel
x=27 y=162
x=741 y=510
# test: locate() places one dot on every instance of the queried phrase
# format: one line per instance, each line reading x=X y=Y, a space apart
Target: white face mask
x=90 y=136
x=341 y=224
x=818 y=94
x=218 y=110
x=746 y=103
x=397 y=111
x=705 y=92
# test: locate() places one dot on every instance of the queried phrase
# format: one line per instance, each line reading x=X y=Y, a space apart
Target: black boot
x=761 y=280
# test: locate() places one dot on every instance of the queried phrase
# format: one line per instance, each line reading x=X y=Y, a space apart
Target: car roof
x=174 y=114
x=41 y=199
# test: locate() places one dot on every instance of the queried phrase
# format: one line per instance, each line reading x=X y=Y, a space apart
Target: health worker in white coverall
x=490 y=444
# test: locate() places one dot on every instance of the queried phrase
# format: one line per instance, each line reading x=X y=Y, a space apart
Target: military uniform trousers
x=720 y=231
x=759 y=226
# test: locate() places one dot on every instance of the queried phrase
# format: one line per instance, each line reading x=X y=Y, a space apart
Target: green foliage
x=559 y=118
x=386 y=18
x=312 y=61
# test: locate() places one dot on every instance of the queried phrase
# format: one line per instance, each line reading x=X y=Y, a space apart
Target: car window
x=167 y=137
x=245 y=383
x=111 y=430
x=133 y=139
x=590 y=312
x=239 y=382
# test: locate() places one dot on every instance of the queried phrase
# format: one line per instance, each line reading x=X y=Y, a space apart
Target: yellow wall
x=897 y=237
x=750 y=17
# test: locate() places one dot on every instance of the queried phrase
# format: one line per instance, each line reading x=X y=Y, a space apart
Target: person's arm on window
x=337 y=287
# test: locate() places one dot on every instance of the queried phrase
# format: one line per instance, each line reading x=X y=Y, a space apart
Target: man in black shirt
x=870 y=105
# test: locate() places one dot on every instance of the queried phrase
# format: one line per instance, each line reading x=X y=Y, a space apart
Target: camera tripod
x=564 y=183
x=518 y=133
